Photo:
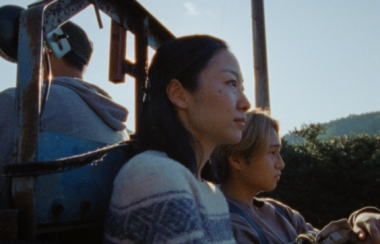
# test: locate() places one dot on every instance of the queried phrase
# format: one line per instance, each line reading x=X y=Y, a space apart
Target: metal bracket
x=96 y=7
x=57 y=42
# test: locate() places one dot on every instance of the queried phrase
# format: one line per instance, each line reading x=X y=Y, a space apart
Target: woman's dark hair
x=160 y=128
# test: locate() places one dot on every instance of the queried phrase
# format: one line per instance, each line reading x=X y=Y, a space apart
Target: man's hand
x=368 y=224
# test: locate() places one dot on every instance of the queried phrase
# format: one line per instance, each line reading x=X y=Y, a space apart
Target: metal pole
x=28 y=93
x=141 y=66
x=260 y=55
x=117 y=52
x=34 y=21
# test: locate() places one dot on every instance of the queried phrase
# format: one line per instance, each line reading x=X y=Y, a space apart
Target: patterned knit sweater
x=157 y=200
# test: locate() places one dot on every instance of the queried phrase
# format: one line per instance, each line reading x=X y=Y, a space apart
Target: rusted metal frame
x=129 y=68
x=28 y=93
x=117 y=52
x=28 y=96
x=28 y=102
x=59 y=11
x=260 y=55
x=119 y=65
x=131 y=16
x=128 y=13
x=96 y=8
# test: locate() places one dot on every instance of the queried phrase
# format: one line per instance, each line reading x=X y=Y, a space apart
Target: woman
x=254 y=165
x=194 y=102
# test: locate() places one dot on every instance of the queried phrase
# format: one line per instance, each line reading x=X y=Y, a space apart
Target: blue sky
x=323 y=55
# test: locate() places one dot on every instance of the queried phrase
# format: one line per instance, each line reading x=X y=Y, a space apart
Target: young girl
x=194 y=102
x=254 y=165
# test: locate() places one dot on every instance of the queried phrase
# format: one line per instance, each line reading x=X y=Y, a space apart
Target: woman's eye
x=233 y=83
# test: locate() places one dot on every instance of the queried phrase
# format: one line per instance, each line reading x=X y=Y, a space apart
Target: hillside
x=368 y=123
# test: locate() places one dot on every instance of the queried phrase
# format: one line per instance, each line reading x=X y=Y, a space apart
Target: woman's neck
x=201 y=163
x=203 y=155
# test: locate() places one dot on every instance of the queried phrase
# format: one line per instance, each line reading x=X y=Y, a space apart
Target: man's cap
x=79 y=42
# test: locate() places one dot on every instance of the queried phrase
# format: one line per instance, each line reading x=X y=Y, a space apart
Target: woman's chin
x=234 y=139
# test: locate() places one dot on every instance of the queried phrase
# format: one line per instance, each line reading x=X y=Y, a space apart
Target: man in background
x=74 y=107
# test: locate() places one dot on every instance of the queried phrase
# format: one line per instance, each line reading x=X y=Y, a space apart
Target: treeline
x=328 y=179
x=368 y=123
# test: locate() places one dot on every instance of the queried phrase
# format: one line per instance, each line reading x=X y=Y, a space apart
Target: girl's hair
x=160 y=128
x=253 y=145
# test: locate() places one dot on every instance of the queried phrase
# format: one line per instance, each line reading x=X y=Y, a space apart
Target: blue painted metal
x=80 y=195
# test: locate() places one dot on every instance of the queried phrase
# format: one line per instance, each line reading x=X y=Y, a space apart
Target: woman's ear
x=235 y=162
x=177 y=94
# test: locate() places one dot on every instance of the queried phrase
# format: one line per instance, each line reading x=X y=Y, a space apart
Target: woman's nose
x=244 y=103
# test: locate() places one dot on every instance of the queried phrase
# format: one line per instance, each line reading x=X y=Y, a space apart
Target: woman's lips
x=241 y=122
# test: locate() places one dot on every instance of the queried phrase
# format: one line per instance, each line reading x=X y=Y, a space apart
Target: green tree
x=328 y=179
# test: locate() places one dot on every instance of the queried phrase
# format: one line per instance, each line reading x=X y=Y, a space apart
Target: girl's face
x=216 y=112
x=263 y=174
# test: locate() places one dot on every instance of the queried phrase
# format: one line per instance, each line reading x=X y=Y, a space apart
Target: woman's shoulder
x=152 y=177
x=152 y=162
x=155 y=192
x=151 y=172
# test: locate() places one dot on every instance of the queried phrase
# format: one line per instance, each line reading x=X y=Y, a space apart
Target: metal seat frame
x=35 y=22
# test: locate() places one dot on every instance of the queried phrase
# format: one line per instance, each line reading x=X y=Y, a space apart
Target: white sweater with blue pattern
x=157 y=200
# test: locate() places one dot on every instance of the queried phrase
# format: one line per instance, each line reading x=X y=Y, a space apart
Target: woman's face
x=216 y=112
x=263 y=174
